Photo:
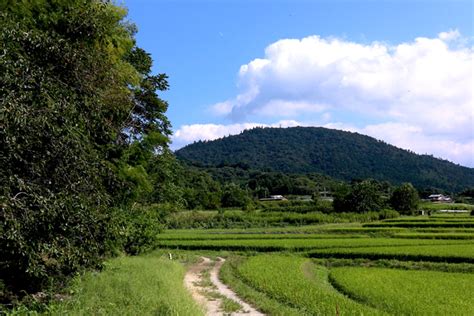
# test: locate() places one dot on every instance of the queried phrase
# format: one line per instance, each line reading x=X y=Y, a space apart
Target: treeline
x=212 y=188
x=338 y=154
x=83 y=137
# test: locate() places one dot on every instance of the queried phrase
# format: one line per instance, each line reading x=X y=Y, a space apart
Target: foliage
x=398 y=291
x=80 y=118
x=240 y=219
x=360 y=197
x=234 y=196
x=338 y=154
x=139 y=227
x=388 y=214
x=405 y=198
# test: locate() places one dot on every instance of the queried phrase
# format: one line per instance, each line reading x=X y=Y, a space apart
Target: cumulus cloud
x=450 y=35
x=419 y=93
x=414 y=138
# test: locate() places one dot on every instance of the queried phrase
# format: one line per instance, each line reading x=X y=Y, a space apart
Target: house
x=274 y=198
x=439 y=198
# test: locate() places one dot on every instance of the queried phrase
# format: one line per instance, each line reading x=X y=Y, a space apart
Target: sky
x=400 y=71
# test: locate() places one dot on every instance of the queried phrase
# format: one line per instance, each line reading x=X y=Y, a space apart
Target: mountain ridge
x=339 y=154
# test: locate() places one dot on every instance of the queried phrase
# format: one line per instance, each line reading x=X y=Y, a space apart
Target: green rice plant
x=396 y=264
x=300 y=244
x=430 y=206
x=143 y=285
x=201 y=236
x=431 y=219
x=258 y=299
x=408 y=224
x=437 y=253
x=435 y=235
x=296 y=282
x=408 y=292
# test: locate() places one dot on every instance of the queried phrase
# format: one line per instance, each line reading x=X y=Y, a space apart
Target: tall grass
x=144 y=285
x=408 y=292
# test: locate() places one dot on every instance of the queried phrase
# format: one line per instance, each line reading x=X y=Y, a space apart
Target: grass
x=437 y=253
x=203 y=236
x=435 y=235
x=283 y=279
x=430 y=206
x=299 y=244
x=291 y=284
x=408 y=292
x=412 y=224
x=265 y=303
x=144 y=285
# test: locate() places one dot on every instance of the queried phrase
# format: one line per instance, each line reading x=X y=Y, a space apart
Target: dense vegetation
x=147 y=285
x=81 y=127
x=86 y=175
x=339 y=154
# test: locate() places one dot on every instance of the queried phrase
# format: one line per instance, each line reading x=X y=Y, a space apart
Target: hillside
x=339 y=154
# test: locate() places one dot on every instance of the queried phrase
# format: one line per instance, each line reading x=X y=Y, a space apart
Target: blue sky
x=315 y=78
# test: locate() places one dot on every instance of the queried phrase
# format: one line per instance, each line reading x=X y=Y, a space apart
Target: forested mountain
x=339 y=154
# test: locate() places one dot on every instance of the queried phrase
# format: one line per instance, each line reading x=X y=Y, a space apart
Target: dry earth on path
x=202 y=280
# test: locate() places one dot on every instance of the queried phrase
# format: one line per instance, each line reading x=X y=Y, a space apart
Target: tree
x=360 y=197
x=405 y=198
x=234 y=196
x=73 y=87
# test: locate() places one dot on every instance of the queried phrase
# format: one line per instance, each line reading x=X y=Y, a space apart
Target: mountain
x=339 y=154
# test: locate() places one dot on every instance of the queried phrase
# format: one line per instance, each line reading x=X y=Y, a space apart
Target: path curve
x=193 y=282
x=227 y=292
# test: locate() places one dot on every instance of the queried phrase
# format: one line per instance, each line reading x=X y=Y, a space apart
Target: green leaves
x=66 y=97
x=405 y=198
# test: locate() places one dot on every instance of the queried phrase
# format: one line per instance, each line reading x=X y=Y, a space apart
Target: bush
x=387 y=214
x=138 y=228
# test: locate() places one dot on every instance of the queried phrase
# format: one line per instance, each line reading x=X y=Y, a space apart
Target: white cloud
x=423 y=88
x=450 y=35
x=414 y=138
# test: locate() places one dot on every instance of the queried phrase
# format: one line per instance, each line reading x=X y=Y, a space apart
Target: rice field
x=418 y=265
x=406 y=266
x=407 y=292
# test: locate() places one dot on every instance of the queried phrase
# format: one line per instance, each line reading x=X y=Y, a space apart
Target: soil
x=195 y=282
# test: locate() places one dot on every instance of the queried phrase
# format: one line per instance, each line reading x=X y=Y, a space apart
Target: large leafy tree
x=360 y=197
x=79 y=117
x=405 y=198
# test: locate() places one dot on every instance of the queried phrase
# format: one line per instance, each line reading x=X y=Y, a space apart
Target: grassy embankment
x=142 y=285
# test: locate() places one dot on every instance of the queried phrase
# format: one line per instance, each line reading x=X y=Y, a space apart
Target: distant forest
x=338 y=154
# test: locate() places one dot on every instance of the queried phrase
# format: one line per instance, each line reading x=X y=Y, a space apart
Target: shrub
x=387 y=213
x=138 y=228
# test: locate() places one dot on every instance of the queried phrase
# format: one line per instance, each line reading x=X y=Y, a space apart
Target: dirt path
x=202 y=280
